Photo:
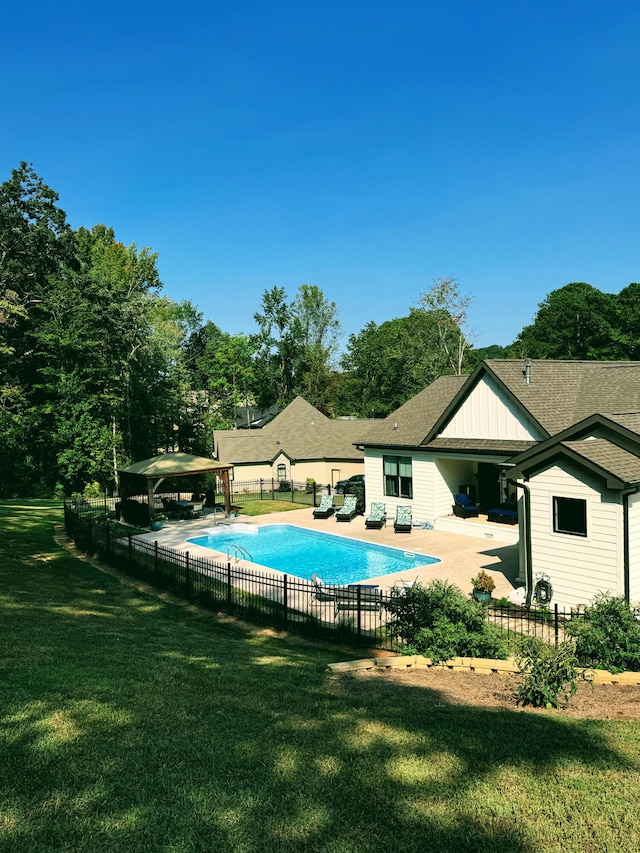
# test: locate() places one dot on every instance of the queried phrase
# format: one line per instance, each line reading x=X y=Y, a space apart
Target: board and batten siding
x=489 y=413
x=634 y=548
x=579 y=567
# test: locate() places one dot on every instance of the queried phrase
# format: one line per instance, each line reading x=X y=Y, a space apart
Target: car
x=343 y=487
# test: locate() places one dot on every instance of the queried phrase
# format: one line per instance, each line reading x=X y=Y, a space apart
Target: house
x=558 y=440
x=300 y=443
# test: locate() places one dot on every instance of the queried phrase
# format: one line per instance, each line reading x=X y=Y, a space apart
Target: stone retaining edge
x=480 y=665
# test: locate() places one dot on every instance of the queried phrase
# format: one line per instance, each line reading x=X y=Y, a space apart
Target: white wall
x=634 y=548
x=489 y=413
x=578 y=567
x=424 y=473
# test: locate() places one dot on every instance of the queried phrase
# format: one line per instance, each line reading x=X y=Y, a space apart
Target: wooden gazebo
x=144 y=477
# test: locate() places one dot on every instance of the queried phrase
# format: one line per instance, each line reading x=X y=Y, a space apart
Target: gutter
x=625 y=541
x=528 y=559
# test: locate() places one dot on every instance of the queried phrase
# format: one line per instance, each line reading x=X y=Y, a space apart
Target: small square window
x=570 y=516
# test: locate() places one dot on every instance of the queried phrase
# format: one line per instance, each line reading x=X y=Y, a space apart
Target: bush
x=547 y=673
x=441 y=622
x=608 y=635
x=284 y=486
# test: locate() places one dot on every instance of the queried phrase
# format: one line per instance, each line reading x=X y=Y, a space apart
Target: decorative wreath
x=543 y=592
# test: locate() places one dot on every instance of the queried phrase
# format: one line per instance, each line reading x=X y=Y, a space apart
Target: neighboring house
x=300 y=443
x=561 y=438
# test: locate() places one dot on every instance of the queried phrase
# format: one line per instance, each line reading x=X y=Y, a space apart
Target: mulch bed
x=592 y=701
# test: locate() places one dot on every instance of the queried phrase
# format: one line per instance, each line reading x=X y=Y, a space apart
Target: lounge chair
x=463 y=507
x=350 y=508
x=321 y=591
x=377 y=517
x=358 y=597
x=326 y=507
x=403 y=521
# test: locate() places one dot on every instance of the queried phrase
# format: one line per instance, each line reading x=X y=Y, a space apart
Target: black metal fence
x=270 y=598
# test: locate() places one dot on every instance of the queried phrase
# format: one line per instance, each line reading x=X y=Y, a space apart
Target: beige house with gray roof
x=559 y=441
x=299 y=443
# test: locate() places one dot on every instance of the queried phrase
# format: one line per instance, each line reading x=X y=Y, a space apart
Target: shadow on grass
x=128 y=723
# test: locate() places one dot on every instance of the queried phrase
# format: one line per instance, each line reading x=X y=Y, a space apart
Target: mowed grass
x=131 y=723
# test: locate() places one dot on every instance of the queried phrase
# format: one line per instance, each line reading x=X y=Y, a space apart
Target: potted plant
x=483 y=585
x=156 y=524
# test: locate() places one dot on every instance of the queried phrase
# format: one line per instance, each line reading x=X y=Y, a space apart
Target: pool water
x=301 y=552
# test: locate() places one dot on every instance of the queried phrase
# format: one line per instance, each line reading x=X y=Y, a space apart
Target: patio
x=462 y=556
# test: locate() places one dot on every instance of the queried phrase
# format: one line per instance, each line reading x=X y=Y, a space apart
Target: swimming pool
x=301 y=552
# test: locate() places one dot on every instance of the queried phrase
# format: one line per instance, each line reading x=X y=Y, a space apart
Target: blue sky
x=364 y=147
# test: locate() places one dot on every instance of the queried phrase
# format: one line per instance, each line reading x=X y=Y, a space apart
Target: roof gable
x=598 y=443
x=489 y=410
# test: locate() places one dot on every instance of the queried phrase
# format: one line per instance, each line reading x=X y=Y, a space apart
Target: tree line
x=99 y=368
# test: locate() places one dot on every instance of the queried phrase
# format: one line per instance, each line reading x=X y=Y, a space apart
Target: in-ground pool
x=301 y=552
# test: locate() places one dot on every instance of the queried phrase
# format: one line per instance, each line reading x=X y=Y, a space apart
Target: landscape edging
x=480 y=665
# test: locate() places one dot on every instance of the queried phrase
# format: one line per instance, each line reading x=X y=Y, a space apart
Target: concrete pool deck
x=461 y=556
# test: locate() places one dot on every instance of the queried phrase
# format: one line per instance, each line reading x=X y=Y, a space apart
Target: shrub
x=440 y=621
x=284 y=486
x=547 y=673
x=483 y=582
x=608 y=635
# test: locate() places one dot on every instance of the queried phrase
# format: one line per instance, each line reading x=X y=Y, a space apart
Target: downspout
x=527 y=540
x=625 y=541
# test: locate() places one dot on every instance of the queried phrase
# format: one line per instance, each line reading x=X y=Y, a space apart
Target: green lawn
x=132 y=723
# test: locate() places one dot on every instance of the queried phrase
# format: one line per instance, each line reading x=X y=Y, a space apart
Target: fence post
x=285 y=601
x=272 y=490
x=187 y=578
x=359 y=598
x=555 y=622
x=261 y=483
x=155 y=559
x=229 y=585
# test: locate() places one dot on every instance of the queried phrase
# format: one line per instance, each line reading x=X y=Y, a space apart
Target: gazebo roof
x=173 y=465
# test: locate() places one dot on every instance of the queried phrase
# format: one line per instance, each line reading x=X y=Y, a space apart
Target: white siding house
x=561 y=437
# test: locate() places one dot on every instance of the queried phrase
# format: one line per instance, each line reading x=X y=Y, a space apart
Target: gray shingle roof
x=561 y=393
x=409 y=424
x=301 y=431
x=609 y=457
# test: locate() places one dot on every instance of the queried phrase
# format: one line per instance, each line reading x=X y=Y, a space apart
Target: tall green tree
x=294 y=346
x=449 y=306
x=577 y=321
x=385 y=365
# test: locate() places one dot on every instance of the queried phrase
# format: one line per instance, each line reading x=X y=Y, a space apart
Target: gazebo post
x=150 y=498
x=227 y=490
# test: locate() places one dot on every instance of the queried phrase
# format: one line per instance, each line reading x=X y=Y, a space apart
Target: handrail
x=239 y=553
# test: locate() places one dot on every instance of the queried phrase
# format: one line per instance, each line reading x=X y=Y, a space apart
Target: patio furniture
x=133 y=512
x=350 y=508
x=377 y=517
x=403 y=521
x=321 y=591
x=463 y=507
x=326 y=507
x=503 y=516
x=358 y=597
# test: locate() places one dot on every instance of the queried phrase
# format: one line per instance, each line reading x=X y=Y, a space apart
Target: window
x=570 y=516
x=281 y=473
x=398 y=477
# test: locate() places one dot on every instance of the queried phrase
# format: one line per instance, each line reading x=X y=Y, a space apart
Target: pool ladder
x=239 y=553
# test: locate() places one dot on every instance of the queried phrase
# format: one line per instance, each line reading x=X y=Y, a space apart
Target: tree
x=576 y=321
x=295 y=346
x=222 y=367
x=315 y=328
x=449 y=307
x=386 y=365
x=35 y=244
